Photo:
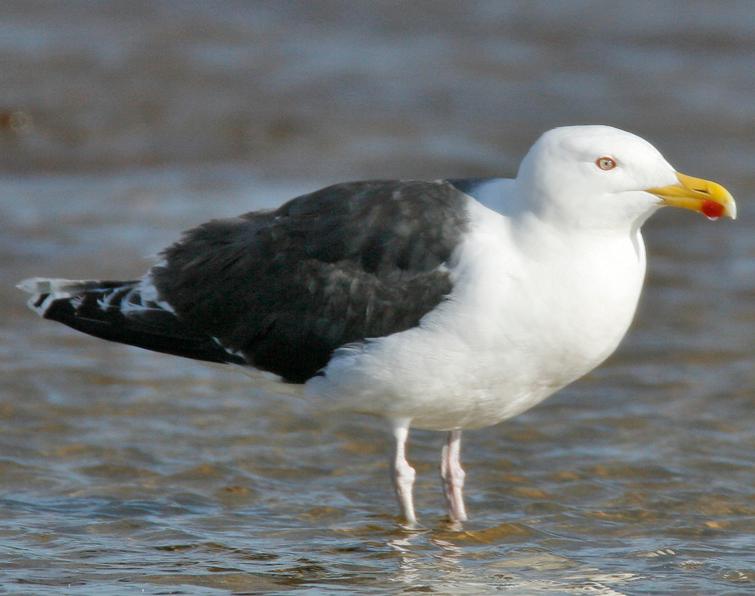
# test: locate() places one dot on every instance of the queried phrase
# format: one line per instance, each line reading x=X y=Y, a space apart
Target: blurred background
x=124 y=122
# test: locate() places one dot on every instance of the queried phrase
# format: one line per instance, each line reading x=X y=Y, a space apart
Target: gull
x=447 y=305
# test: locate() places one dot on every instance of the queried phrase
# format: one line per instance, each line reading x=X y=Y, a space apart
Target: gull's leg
x=402 y=473
x=453 y=477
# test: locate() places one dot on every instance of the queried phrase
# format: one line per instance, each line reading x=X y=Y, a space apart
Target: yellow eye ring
x=605 y=163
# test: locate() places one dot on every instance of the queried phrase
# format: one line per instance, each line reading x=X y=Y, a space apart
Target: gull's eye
x=605 y=163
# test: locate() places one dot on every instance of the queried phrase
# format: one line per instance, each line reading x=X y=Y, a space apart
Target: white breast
x=531 y=311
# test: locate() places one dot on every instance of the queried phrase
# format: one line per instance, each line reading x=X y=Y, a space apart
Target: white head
x=603 y=177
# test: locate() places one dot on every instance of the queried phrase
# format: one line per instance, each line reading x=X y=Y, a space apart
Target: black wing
x=287 y=287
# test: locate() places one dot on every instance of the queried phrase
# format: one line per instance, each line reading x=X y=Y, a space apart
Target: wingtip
x=30 y=285
x=47 y=285
x=44 y=291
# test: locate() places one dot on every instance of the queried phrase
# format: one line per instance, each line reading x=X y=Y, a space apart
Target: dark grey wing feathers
x=285 y=288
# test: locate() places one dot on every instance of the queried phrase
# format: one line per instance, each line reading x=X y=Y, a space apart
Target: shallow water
x=125 y=471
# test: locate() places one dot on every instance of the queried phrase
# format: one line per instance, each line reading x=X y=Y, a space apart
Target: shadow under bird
x=445 y=305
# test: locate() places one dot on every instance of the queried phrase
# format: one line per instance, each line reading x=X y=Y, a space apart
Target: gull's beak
x=709 y=198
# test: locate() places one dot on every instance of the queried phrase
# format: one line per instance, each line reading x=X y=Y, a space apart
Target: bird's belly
x=446 y=390
x=488 y=354
x=442 y=379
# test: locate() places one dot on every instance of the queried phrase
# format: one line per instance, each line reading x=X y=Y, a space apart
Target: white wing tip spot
x=55 y=288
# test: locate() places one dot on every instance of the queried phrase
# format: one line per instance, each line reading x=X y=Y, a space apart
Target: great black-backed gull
x=444 y=305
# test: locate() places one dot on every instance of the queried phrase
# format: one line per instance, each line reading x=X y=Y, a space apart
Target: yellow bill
x=697 y=194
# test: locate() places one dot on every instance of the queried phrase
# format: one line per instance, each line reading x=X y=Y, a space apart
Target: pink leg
x=453 y=477
x=403 y=474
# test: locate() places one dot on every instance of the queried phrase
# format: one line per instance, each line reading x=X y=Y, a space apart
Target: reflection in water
x=123 y=470
x=438 y=564
x=432 y=562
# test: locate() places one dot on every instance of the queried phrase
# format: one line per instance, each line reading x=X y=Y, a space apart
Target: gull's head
x=598 y=176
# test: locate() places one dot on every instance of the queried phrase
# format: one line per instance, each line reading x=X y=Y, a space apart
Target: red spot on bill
x=712 y=210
